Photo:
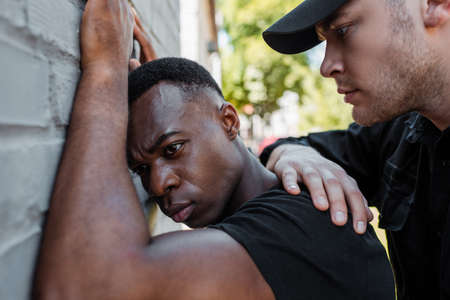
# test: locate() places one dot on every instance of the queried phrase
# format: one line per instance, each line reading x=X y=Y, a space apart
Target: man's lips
x=180 y=212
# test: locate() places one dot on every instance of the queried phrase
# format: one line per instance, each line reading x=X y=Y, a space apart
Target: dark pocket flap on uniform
x=396 y=193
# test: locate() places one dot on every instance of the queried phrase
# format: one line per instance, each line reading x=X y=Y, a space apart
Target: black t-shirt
x=302 y=255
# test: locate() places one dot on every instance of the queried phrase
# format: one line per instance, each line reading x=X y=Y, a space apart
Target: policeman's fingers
x=330 y=187
x=336 y=197
x=313 y=181
x=288 y=176
x=368 y=210
x=275 y=157
x=357 y=204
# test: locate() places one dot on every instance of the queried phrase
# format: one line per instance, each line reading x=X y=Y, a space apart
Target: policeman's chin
x=369 y=116
x=363 y=117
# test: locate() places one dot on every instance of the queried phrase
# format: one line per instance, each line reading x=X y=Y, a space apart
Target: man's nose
x=332 y=64
x=163 y=180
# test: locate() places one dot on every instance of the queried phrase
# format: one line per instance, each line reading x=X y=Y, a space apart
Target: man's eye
x=172 y=149
x=141 y=170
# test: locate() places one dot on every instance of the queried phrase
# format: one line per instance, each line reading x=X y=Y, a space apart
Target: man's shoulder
x=276 y=201
x=299 y=251
x=286 y=215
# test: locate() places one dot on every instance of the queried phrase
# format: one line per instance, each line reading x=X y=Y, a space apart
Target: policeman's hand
x=330 y=186
x=106 y=35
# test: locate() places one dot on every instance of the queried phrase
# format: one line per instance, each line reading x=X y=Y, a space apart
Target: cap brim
x=295 y=32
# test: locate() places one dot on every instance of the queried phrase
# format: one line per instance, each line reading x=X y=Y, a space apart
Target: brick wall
x=39 y=59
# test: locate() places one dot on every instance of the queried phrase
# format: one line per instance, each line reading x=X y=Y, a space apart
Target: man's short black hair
x=185 y=72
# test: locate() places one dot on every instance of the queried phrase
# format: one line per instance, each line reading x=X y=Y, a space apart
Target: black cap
x=295 y=32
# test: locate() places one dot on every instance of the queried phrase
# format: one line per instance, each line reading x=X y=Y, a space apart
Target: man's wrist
x=101 y=74
x=105 y=67
x=102 y=93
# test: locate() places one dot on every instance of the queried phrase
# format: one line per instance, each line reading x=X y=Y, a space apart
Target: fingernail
x=340 y=217
x=322 y=201
x=293 y=187
x=360 y=226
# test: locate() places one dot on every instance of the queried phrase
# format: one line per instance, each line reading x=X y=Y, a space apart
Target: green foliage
x=257 y=75
x=252 y=72
x=322 y=108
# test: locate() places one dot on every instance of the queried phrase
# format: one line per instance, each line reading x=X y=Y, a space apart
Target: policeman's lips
x=349 y=94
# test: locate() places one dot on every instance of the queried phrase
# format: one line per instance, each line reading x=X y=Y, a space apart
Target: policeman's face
x=377 y=54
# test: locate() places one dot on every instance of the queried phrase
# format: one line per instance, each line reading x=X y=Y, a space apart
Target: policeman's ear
x=436 y=12
x=230 y=120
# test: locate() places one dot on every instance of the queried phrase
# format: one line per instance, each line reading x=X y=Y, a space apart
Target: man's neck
x=255 y=179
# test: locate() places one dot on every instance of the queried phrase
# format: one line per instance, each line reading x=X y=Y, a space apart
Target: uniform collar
x=422 y=130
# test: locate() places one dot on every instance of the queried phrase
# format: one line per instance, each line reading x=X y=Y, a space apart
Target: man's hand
x=106 y=35
x=141 y=35
x=147 y=51
x=330 y=186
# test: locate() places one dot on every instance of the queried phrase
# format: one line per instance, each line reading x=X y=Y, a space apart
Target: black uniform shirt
x=403 y=168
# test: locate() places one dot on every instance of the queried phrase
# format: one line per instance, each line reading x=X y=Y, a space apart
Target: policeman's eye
x=342 y=30
x=172 y=149
x=141 y=170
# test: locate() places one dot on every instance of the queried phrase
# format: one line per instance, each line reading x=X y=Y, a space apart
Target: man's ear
x=436 y=13
x=230 y=120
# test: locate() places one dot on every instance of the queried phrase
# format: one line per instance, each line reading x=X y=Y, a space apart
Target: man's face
x=182 y=153
x=379 y=59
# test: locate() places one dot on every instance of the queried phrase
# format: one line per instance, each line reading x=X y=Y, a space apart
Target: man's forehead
x=174 y=94
x=163 y=93
x=166 y=107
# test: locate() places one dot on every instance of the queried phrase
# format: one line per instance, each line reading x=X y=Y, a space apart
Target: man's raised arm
x=87 y=210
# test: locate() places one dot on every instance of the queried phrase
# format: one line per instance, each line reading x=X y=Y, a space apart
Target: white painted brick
x=13 y=11
x=17 y=266
x=175 y=5
x=26 y=180
x=163 y=23
x=57 y=22
x=24 y=86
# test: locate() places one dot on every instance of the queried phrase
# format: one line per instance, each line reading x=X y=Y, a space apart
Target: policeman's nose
x=163 y=180
x=332 y=64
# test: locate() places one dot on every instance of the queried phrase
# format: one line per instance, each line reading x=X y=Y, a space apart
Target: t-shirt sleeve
x=302 y=255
